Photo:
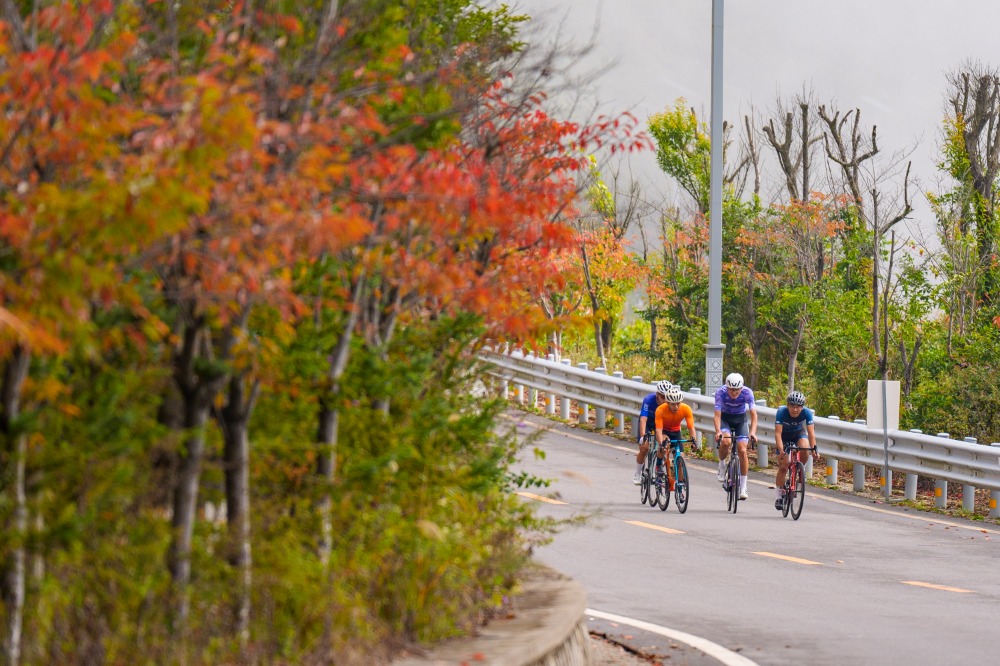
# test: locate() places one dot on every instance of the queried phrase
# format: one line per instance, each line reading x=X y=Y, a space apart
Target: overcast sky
x=887 y=57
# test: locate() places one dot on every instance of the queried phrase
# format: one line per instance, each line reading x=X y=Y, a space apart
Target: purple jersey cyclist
x=733 y=404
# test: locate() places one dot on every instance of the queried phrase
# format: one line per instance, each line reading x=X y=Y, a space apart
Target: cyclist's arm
x=753 y=423
x=642 y=427
x=718 y=424
x=658 y=429
x=811 y=429
x=692 y=433
x=777 y=438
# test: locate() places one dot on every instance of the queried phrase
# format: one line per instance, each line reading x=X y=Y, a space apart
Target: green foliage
x=683 y=150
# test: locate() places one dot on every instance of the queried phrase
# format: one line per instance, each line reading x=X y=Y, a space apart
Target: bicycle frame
x=795 y=481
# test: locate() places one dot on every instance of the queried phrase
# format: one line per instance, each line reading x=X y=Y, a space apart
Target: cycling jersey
x=648 y=409
x=671 y=421
x=737 y=406
x=793 y=428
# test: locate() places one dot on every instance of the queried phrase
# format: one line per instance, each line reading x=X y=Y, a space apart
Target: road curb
x=546 y=628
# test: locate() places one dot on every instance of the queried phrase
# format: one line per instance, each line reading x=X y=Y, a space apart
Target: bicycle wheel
x=655 y=488
x=798 y=497
x=786 y=503
x=681 y=485
x=734 y=483
x=664 y=499
x=644 y=484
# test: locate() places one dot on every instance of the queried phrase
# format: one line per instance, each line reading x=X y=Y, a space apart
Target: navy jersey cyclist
x=646 y=415
x=792 y=423
x=734 y=403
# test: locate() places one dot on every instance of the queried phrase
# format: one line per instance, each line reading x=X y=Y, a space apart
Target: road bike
x=682 y=489
x=731 y=483
x=795 y=482
x=649 y=490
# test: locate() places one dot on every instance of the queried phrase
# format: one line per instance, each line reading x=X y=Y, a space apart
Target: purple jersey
x=729 y=405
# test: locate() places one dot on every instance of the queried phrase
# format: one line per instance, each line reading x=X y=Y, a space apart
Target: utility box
x=875 y=389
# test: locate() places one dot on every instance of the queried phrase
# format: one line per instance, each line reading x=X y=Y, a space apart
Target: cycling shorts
x=735 y=424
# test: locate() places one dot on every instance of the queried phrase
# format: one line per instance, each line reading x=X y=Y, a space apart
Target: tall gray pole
x=714 y=349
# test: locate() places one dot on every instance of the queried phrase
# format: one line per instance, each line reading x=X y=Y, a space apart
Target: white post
x=600 y=414
x=940 y=486
x=761 y=444
x=583 y=408
x=635 y=419
x=969 y=492
x=910 y=487
x=831 y=471
x=620 y=416
x=563 y=400
x=995 y=496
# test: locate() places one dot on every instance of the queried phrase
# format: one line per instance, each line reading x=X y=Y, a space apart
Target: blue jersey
x=649 y=405
x=793 y=428
x=737 y=406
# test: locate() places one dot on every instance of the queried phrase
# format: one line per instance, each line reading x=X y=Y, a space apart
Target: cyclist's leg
x=804 y=455
x=724 y=446
x=779 y=480
x=640 y=457
x=742 y=433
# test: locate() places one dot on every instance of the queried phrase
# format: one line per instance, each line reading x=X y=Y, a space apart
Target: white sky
x=887 y=57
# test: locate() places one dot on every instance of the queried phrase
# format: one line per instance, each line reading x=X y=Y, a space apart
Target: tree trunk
x=196 y=413
x=15 y=374
x=234 y=419
x=793 y=355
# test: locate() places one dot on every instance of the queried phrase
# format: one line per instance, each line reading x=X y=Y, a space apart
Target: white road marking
x=714 y=650
x=787 y=558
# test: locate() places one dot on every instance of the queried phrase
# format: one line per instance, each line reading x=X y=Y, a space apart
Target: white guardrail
x=911 y=452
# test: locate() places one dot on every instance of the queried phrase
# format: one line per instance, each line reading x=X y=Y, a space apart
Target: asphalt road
x=850 y=582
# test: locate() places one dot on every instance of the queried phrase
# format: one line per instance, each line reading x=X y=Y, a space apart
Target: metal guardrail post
x=940 y=485
x=910 y=487
x=550 y=404
x=583 y=409
x=695 y=389
x=635 y=419
x=563 y=400
x=600 y=414
x=761 y=445
x=504 y=388
x=995 y=495
x=831 y=471
x=520 y=394
x=620 y=416
x=969 y=491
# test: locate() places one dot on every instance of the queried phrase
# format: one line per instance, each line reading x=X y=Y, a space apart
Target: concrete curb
x=548 y=628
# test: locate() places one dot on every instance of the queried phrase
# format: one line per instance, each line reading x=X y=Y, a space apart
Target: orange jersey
x=668 y=420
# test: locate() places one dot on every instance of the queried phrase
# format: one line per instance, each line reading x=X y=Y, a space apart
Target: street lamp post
x=714 y=349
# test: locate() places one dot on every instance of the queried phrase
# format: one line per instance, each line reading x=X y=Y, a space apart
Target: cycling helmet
x=734 y=380
x=663 y=386
x=674 y=395
x=796 y=398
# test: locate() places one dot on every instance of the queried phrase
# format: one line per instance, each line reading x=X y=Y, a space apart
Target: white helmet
x=663 y=386
x=734 y=380
x=674 y=395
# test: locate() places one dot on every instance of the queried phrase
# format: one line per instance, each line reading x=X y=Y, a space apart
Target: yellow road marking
x=945 y=588
x=539 y=498
x=639 y=523
x=787 y=558
x=693 y=464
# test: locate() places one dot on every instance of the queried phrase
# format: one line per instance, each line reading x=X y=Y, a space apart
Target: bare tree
x=880 y=204
x=974 y=99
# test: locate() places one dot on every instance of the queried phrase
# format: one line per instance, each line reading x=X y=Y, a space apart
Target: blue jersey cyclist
x=793 y=423
x=734 y=402
x=646 y=414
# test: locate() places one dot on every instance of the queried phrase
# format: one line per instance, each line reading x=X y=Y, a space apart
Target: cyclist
x=668 y=419
x=792 y=423
x=646 y=413
x=733 y=401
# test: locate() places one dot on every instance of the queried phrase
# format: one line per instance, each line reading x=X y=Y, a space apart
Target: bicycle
x=682 y=490
x=795 y=482
x=731 y=484
x=649 y=489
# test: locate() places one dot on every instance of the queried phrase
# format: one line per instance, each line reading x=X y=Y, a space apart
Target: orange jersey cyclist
x=668 y=419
